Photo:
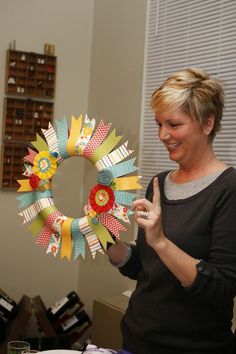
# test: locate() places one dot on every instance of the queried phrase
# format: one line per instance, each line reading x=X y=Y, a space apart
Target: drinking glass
x=18 y=347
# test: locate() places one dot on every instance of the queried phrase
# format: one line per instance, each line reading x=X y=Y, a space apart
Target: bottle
x=8 y=307
x=72 y=322
x=67 y=302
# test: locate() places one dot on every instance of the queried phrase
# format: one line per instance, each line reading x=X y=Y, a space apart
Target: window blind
x=180 y=34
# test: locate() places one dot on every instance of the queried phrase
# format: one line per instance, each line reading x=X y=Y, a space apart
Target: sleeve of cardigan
x=215 y=282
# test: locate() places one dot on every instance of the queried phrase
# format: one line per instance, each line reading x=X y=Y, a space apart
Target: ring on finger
x=143 y=214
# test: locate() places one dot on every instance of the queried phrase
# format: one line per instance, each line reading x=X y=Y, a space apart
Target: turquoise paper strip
x=78 y=239
x=123 y=168
x=27 y=199
x=125 y=198
x=62 y=136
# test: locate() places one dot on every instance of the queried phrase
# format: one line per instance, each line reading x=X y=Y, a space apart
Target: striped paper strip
x=35 y=208
x=91 y=238
x=96 y=140
x=114 y=157
x=31 y=155
x=51 y=138
x=111 y=224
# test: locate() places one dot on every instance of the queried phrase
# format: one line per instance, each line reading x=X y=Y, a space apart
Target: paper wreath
x=109 y=200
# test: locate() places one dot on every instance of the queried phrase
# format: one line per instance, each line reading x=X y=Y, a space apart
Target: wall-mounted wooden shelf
x=24 y=118
x=28 y=108
x=30 y=74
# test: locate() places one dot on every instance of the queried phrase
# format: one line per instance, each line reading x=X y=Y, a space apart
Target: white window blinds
x=179 y=34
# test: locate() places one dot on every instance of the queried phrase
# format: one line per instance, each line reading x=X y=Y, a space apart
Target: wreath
x=109 y=199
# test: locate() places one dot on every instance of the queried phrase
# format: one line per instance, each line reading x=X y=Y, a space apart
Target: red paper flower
x=34 y=181
x=101 y=198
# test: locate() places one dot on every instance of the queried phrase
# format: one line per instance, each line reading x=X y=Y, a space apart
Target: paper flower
x=45 y=165
x=105 y=177
x=34 y=181
x=101 y=198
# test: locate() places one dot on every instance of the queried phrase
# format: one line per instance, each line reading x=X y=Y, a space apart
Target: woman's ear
x=208 y=126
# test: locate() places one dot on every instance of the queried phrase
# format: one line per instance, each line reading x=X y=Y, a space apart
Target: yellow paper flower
x=45 y=165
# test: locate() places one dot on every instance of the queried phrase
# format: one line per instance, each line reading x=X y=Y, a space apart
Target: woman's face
x=182 y=136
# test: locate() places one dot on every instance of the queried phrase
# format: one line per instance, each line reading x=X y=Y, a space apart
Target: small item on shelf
x=74 y=321
x=11 y=81
x=8 y=307
x=55 y=311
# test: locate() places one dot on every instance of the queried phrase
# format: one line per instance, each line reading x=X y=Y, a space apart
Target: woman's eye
x=173 y=125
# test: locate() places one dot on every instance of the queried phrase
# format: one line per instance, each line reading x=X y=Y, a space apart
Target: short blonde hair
x=195 y=93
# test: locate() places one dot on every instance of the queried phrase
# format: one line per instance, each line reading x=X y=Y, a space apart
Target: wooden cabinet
x=30 y=74
x=24 y=118
x=28 y=107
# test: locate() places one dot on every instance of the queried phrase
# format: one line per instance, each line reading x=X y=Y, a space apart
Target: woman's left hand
x=152 y=224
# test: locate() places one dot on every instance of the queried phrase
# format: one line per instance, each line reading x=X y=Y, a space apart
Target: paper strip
x=54 y=244
x=123 y=168
x=31 y=155
x=108 y=144
x=126 y=183
x=78 y=240
x=90 y=236
x=51 y=138
x=66 y=244
x=27 y=199
x=35 y=208
x=47 y=231
x=62 y=134
x=85 y=135
x=125 y=198
x=121 y=212
x=36 y=226
x=101 y=232
x=26 y=187
x=111 y=224
x=75 y=130
x=114 y=157
x=97 y=139
x=28 y=170
x=40 y=144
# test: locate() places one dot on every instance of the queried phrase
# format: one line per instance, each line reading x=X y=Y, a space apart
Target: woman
x=184 y=259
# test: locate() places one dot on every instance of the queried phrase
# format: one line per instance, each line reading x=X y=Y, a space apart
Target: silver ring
x=143 y=214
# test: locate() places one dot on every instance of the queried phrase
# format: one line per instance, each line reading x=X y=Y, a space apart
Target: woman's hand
x=152 y=224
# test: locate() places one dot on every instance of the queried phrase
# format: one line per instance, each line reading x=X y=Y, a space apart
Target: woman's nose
x=163 y=134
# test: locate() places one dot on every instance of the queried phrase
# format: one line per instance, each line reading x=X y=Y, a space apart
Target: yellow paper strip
x=74 y=134
x=66 y=246
x=108 y=144
x=26 y=187
x=40 y=143
x=102 y=233
x=126 y=183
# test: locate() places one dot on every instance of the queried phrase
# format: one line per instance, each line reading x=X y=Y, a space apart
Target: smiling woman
x=184 y=259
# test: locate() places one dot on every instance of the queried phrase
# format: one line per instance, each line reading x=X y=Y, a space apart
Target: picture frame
x=49 y=49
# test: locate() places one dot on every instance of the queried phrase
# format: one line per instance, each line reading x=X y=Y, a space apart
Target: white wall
x=115 y=94
x=24 y=266
x=100 y=49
